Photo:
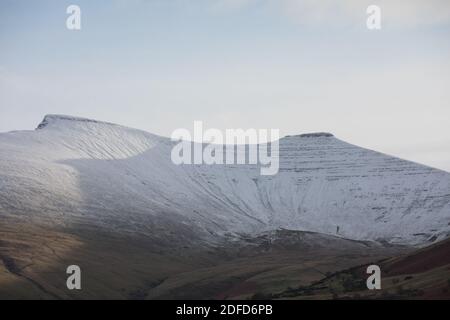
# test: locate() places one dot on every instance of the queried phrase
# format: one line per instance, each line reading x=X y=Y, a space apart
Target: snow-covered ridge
x=314 y=135
x=81 y=171
x=52 y=118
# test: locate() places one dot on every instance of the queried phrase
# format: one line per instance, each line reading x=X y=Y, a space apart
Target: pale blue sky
x=296 y=65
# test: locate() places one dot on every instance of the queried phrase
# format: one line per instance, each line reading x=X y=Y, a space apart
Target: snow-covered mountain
x=74 y=171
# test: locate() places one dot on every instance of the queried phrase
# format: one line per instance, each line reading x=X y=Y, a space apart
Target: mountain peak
x=118 y=173
x=313 y=135
x=53 y=118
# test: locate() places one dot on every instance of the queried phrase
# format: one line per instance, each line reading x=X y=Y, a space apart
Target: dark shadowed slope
x=420 y=274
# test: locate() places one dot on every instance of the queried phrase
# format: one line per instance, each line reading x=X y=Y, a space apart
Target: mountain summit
x=76 y=171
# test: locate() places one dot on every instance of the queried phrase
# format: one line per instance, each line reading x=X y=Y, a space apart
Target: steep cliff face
x=85 y=172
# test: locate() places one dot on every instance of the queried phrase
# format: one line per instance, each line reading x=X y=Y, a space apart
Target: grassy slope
x=33 y=260
x=421 y=274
